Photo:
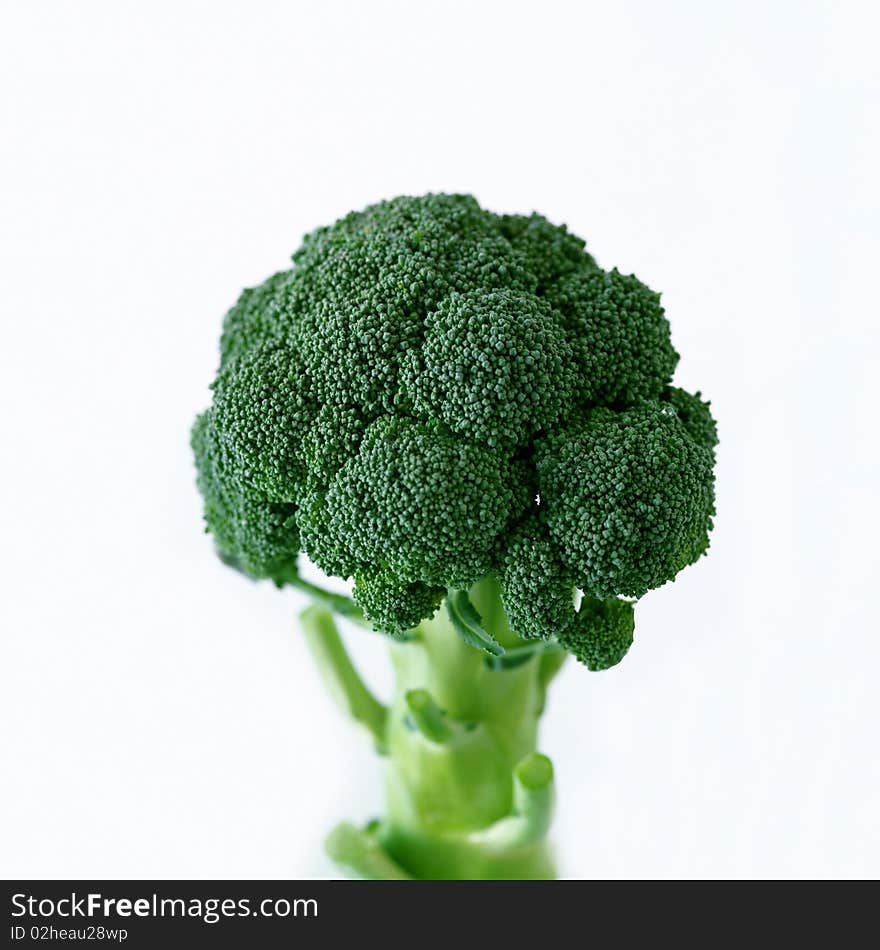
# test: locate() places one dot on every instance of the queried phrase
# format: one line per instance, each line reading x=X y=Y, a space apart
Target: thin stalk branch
x=338 y=603
x=533 y=800
x=340 y=675
x=359 y=853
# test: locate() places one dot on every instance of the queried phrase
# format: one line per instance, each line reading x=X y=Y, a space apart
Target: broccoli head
x=434 y=394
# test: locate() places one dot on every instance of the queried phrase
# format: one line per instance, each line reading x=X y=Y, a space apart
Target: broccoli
x=463 y=414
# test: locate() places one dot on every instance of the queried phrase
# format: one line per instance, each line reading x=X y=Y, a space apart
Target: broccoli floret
x=493 y=366
x=601 y=633
x=258 y=317
x=434 y=394
x=628 y=497
x=550 y=250
x=262 y=414
x=361 y=289
x=619 y=333
x=393 y=606
x=537 y=589
x=258 y=535
x=416 y=500
x=331 y=440
x=695 y=416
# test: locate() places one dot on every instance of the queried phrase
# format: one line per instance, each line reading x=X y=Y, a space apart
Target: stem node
x=427 y=716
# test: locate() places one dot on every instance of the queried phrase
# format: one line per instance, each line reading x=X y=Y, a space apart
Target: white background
x=160 y=715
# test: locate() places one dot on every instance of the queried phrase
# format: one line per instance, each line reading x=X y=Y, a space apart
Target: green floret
x=536 y=588
x=695 y=415
x=551 y=250
x=628 y=496
x=361 y=288
x=394 y=606
x=258 y=535
x=420 y=248
x=262 y=413
x=417 y=501
x=494 y=366
x=258 y=316
x=333 y=438
x=619 y=333
x=352 y=346
x=601 y=633
x=394 y=403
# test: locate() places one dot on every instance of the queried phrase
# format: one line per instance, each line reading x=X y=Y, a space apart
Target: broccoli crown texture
x=434 y=393
x=601 y=633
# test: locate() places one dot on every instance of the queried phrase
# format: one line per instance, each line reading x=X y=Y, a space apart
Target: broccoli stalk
x=468 y=417
x=468 y=794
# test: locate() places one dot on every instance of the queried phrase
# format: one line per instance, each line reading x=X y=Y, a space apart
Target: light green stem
x=468 y=795
x=339 y=674
x=338 y=603
x=361 y=855
x=427 y=716
x=550 y=663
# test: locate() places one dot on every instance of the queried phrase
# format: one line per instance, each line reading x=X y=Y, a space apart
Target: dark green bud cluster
x=396 y=607
x=537 y=590
x=434 y=393
x=601 y=633
x=628 y=497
